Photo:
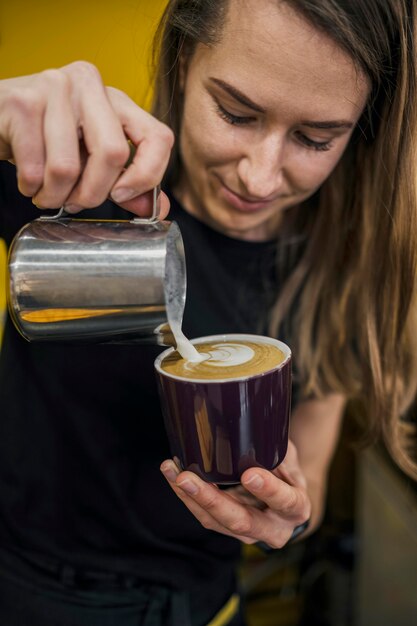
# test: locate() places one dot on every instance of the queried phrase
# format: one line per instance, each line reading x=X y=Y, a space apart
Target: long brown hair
x=352 y=328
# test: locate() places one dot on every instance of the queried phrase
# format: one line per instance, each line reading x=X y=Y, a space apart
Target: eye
x=320 y=146
x=236 y=120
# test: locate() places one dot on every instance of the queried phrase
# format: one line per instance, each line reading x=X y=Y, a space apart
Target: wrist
x=298 y=530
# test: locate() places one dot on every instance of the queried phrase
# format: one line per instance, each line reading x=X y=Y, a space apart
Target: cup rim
x=225 y=337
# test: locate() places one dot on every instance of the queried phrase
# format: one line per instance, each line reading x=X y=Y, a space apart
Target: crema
x=223 y=360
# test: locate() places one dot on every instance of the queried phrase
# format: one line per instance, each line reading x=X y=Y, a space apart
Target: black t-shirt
x=81 y=431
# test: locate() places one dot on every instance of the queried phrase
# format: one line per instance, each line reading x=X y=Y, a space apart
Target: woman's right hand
x=67 y=135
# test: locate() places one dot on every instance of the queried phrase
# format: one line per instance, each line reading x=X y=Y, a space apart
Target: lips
x=244 y=204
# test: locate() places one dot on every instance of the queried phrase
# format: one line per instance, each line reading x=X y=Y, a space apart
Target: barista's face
x=268 y=112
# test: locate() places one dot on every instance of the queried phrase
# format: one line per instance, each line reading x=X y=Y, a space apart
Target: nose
x=261 y=168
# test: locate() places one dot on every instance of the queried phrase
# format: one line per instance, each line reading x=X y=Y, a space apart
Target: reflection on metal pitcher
x=83 y=280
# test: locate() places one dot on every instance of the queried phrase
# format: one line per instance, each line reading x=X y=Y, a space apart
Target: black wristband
x=298 y=530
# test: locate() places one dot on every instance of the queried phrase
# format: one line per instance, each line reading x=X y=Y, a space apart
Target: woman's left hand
x=266 y=506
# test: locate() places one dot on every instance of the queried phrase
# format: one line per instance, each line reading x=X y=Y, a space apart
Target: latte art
x=229 y=359
x=226 y=355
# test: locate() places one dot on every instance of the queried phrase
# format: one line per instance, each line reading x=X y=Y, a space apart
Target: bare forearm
x=315 y=431
x=317 y=493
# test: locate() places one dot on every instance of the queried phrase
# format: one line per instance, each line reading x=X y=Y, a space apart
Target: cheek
x=310 y=169
x=211 y=152
x=204 y=137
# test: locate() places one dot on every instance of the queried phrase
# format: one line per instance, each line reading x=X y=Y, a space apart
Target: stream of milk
x=184 y=345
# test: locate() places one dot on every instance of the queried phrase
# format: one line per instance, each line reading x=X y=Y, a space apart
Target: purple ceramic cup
x=218 y=428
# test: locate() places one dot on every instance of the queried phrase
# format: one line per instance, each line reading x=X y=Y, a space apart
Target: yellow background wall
x=115 y=35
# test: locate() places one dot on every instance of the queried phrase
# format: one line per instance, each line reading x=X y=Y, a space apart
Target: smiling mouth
x=241 y=203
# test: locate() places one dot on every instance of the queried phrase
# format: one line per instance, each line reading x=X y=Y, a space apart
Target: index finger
x=142 y=205
x=153 y=141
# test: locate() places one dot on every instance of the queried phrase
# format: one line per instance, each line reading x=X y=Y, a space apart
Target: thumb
x=142 y=205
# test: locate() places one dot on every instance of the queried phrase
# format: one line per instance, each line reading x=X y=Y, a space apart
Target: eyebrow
x=238 y=95
x=243 y=99
x=330 y=124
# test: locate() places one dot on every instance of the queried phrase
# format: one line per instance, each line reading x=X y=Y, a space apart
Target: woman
x=293 y=163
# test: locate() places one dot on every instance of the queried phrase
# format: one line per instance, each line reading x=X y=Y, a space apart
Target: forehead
x=269 y=50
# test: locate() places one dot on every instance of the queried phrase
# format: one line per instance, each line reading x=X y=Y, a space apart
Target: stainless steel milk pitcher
x=81 y=279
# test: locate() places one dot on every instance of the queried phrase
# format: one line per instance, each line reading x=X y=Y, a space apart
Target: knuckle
x=247 y=540
x=30 y=179
x=57 y=77
x=65 y=170
x=151 y=178
x=290 y=502
x=143 y=179
x=116 y=154
x=89 y=200
x=86 y=70
x=241 y=526
x=114 y=91
x=270 y=489
x=301 y=509
x=116 y=95
x=166 y=134
x=210 y=501
x=43 y=202
x=305 y=513
x=26 y=101
x=280 y=541
x=280 y=538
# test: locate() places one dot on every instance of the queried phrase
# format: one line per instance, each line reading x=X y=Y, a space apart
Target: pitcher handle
x=61 y=213
x=156 y=209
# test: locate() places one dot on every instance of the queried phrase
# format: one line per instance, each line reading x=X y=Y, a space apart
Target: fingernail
x=189 y=487
x=72 y=208
x=169 y=472
x=123 y=194
x=255 y=482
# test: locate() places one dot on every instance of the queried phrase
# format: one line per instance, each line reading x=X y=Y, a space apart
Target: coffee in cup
x=225 y=360
x=229 y=411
